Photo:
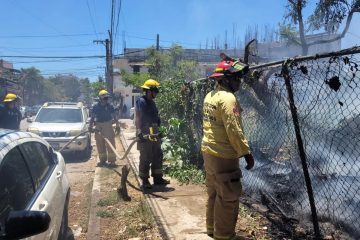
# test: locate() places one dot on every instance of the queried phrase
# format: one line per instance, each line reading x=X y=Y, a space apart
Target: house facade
x=134 y=60
x=9 y=79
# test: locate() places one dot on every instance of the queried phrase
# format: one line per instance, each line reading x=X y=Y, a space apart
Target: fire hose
x=151 y=137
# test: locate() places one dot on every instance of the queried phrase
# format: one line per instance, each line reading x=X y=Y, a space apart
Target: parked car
x=132 y=113
x=32 y=111
x=33 y=181
x=59 y=122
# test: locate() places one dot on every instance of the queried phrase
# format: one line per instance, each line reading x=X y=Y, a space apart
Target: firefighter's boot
x=145 y=183
x=159 y=180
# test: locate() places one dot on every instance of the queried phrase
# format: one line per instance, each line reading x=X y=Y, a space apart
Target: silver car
x=59 y=122
x=33 y=183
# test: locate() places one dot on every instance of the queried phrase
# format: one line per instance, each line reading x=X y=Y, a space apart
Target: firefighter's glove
x=117 y=130
x=140 y=136
x=249 y=161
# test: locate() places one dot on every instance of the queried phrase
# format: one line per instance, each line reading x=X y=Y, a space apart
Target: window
x=38 y=159
x=59 y=115
x=136 y=68
x=16 y=186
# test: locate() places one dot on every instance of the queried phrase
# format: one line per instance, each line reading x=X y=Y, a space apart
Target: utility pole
x=157 y=42
x=110 y=85
x=108 y=70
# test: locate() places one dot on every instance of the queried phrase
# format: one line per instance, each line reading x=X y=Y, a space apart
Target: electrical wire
x=117 y=21
x=92 y=19
x=52 y=57
x=49 y=36
x=51 y=47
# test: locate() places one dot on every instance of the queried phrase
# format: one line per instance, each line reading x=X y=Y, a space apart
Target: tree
x=33 y=86
x=96 y=87
x=69 y=85
x=51 y=92
x=85 y=90
x=327 y=16
x=173 y=73
x=134 y=79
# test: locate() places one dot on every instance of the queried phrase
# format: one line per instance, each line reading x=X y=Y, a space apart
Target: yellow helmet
x=150 y=83
x=104 y=93
x=10 y=97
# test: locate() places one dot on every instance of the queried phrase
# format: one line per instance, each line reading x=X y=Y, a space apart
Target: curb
x=93 y=232
x=164 y=230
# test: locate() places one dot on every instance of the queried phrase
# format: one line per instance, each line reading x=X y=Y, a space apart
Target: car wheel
x=65 y=220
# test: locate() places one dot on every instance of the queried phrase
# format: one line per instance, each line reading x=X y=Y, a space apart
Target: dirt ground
x=122 y=219
x=133 y=219
x=81 y=175
x=119 y=219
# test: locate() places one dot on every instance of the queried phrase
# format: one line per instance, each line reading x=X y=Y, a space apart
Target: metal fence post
x=287 y=78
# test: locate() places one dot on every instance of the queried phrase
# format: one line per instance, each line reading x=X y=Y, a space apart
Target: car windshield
x=59 y=115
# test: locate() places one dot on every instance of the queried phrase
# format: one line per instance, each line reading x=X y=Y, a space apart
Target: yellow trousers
x=104 y=150
x=223 y=182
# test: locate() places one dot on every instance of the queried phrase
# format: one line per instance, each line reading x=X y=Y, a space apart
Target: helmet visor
x=154 y=89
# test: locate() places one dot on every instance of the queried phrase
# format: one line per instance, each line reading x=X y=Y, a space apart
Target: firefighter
x=222 y=145
x=148 y=122
x=10 y=115
x=103 y=115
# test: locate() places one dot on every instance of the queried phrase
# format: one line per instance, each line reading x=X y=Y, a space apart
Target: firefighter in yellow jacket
x=222 y=145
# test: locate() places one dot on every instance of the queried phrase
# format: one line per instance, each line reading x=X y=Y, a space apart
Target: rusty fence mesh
x=326 y=92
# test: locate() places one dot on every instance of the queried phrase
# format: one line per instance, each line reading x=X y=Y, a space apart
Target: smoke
x=352 y=37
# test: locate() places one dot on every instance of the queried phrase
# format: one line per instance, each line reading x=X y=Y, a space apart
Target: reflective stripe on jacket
x=223 y=135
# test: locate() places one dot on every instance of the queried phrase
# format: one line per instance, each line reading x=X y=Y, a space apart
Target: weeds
x=109 y=200
x=185 y=173
x=104 y=214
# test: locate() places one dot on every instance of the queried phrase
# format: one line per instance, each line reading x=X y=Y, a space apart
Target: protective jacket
x=102 y=113
x=9 y=118
x=149 y=114
x=223 y=134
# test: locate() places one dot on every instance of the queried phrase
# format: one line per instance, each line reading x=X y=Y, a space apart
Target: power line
x=76 y=69
x=52 y=57
x=117 y=22
x=55 y=61
x=91 y=18
x=50 y=47
x=164 y=41
x=39 y=19
x=50 y=36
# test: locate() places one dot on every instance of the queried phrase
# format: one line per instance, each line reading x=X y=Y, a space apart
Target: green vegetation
x=180 y=146
x=39 y=89
x=109 y=200
x=104 y=214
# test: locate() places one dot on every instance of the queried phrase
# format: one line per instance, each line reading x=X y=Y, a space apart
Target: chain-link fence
x=318 y=165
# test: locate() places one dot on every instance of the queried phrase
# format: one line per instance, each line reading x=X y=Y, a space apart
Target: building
x=134 y=62
x=8 y=79
x=134 y=59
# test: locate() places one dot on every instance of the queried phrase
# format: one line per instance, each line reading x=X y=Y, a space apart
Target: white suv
x=59 y=122
x=32 y=178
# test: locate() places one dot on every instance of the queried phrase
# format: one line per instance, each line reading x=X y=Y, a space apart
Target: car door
x=47 y=177
x=17 y=190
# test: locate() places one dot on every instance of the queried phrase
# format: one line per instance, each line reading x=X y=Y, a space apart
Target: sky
x=58 y=28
